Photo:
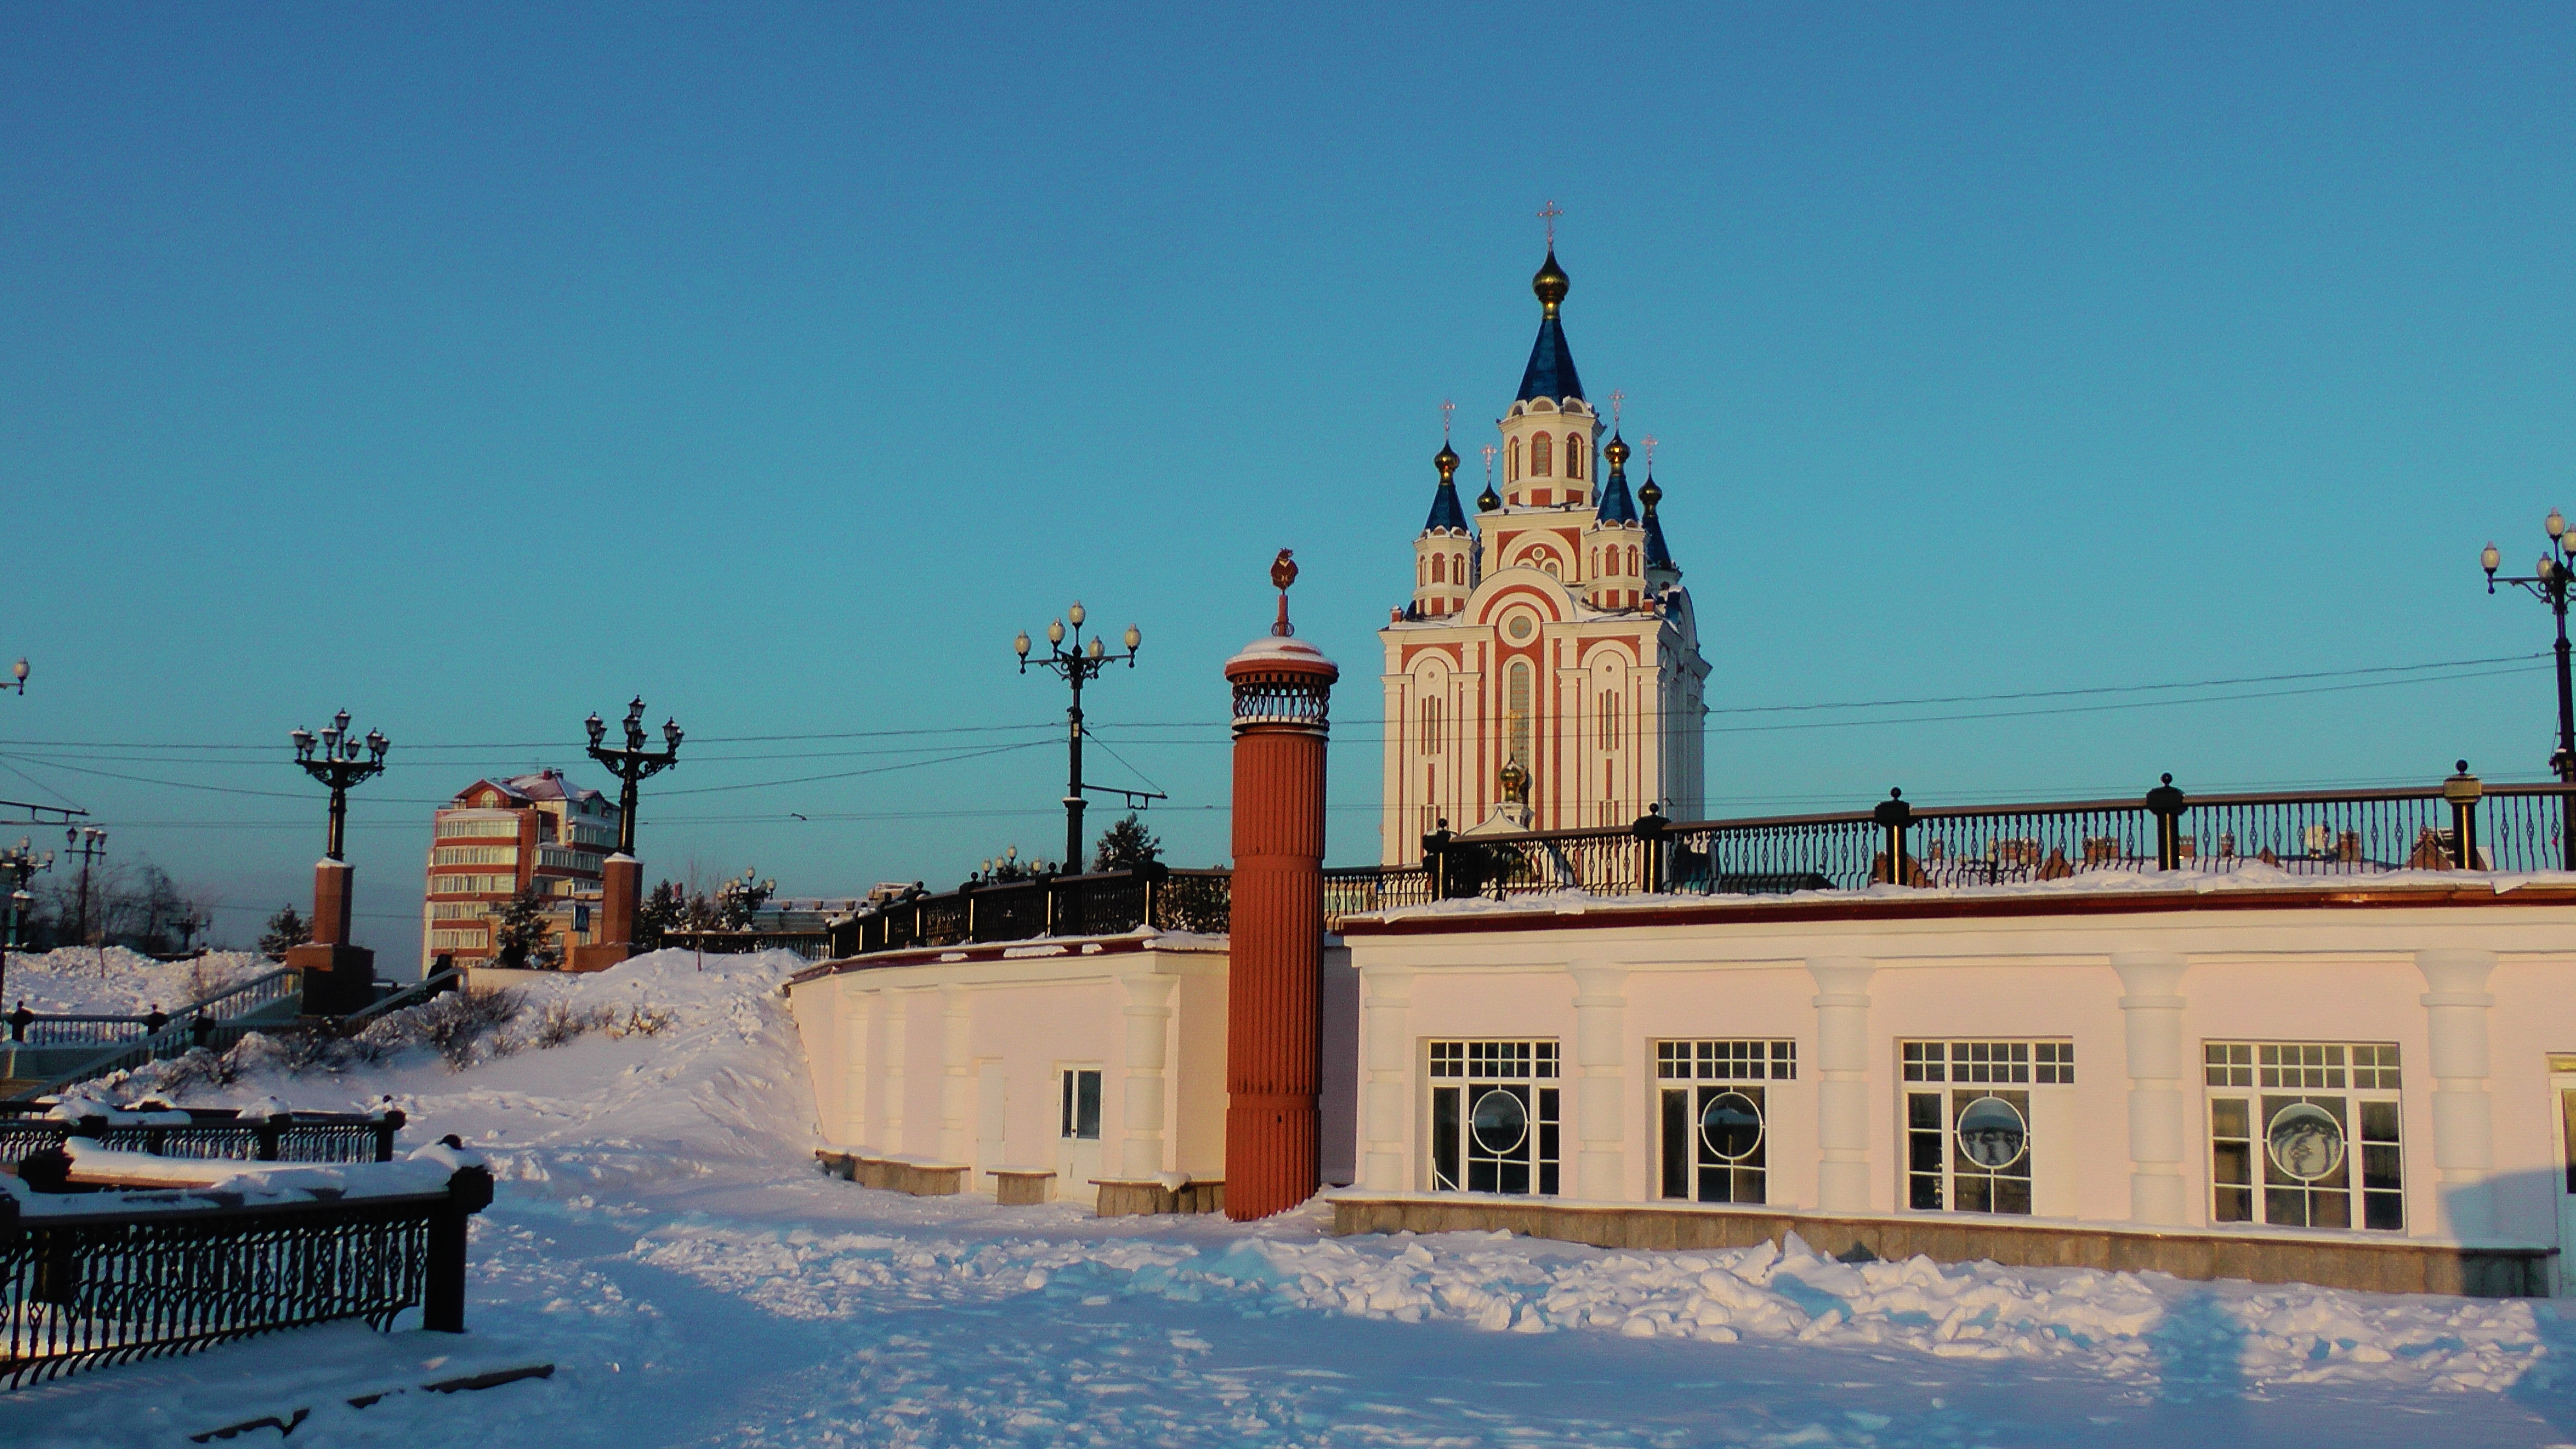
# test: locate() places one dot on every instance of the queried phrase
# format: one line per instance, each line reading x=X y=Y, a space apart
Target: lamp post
x=1079 y=663
x=18 y=864
x=633 y=763
x=2548 y=583
x=342 y=761
x=621 y=876
x=17 y=677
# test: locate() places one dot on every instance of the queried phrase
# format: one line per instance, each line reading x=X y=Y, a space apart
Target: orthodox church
x=1546 y=673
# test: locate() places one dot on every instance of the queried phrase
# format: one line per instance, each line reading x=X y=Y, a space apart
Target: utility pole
x=89 y=842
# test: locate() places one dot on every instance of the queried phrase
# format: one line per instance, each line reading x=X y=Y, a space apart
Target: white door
x=1077 y=1143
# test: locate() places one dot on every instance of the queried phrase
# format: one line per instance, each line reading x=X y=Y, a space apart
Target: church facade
x=1546 y=673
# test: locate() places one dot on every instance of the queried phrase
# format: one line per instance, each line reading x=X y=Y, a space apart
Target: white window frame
x=1460 y=1073
x=1695 y=1077
x=1945 y=1086
x=2251 y=1086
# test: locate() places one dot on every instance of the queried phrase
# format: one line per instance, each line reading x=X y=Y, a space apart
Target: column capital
x=1841 y=980
x=2456 y=973
x=2151 y=978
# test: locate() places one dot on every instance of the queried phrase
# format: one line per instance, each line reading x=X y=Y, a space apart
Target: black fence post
x=1894 y=816
x=1649 y=830
x=387 y=1125
x=2464 y=790
x=1435 y=860
x=270 y=1132
x=442 y=1305
x=2166 y=804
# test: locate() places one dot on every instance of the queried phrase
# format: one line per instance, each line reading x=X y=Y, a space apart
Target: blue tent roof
x=1445 y=512
x=1550 y=373
x=1615 y=505
x=1657 y=556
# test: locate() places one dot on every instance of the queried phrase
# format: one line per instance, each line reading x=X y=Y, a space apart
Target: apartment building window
x=2305 y=1134
x=473 y=885
x=1968 y=1145
x=475 y=855
x=1494 y=1117
x=1081 y=1093
x=1714 y=1116
x=557 y=859
x=459 y=911
x=458 y=940
x=471 y=827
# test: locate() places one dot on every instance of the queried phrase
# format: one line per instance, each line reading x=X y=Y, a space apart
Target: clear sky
x=479 y=367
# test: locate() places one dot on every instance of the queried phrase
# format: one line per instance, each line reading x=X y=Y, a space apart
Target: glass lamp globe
x=2556 y=523
x=1022 y=644
x=2489 y=559
x=1055 y=631
x=1134 y=638
x=1076 y=613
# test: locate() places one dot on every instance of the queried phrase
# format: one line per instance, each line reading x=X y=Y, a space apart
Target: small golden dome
x=1616 y=451
x=1550 y=283
x=1446 y=460
x=1650 y=495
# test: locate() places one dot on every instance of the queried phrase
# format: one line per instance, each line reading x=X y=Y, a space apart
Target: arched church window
x=1512 y=462
x=1440 y=568
x=1458 y=567
x=1420 y=576
x=1574 y=455
x=1632 y=560
x=1542 y=461
x=1517 y=712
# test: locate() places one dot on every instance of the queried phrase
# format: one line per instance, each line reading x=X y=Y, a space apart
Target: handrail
x=435 y=984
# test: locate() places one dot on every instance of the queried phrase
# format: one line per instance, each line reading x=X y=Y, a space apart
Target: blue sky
x=478 y=367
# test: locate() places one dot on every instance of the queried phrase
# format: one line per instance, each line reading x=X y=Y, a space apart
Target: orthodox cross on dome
x=1549 y=214
x=1489 y=466
x=1649 y=441
x=1446 y=408
x=1617 y=396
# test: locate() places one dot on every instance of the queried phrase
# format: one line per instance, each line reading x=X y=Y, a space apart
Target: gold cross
x=1616 y=397
x=1446 y=408
x=1549 y=214
x=1650 y=455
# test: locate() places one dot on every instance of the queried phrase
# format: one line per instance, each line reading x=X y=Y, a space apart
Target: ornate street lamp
x=18 y=865
x=1079 y=663
x=17 y=676
x=2548 y=583
x=342 y=760
x=633 y=763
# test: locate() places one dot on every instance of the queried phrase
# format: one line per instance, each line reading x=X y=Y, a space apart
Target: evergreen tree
x=520 y=940
x=285 y=929
x=1125 y=846
x=663 y=911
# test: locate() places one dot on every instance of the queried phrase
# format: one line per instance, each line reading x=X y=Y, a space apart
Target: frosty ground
x=663 y=1239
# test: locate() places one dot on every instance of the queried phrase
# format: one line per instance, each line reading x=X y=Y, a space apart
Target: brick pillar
x=1275 y=955
x=334 y=881
x=621 y=886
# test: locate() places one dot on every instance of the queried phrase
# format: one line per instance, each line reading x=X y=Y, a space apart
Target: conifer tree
x=1125 y=846
x=663 y=911
x=520 y=940
x=285 y=930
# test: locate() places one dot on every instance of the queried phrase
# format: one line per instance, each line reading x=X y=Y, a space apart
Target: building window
x=2309 y=1128
x=1517 y=712
x=1512 y=462
x=475 y=855
x=1609 y=719
x=1081 y=1092
x=1542 y=463
x=1574 y=455
x=1494 y=1117
x=1969 y=1148
x=1440 y=568
x=1431 y=722
x=476 y=885
x=484 y=826
x=458 y=940
x=1715 y=1125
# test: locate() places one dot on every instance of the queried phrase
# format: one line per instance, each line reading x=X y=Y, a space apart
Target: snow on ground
x=663 y=1238
x=113 y=981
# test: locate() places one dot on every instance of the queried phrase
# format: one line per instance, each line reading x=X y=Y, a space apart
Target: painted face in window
x=1991 y=1133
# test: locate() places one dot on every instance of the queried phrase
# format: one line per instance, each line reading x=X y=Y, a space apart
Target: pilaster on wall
x=2151 y=1012
x=897 y=1013
x=956 y=1075
x=1600 y=1081
x=1141 y=1146
x=1842 y=1081
x=1386 y=1093
x=858 y=1014
x=2456 y=1005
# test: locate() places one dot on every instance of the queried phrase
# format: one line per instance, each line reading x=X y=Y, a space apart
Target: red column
x=621 y=885
x=333 y=883
x=1275 y=955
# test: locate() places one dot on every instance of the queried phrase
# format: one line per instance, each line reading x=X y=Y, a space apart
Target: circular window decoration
x=1731 y=1125
x=1519 y=627
x=2305 y=1141
x=1992 y=1133
x=1500 y=1122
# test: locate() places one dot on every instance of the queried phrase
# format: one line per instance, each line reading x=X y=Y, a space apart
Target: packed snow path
x=663 y=1238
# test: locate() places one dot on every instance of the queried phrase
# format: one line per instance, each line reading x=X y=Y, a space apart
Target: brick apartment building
x=498 y=836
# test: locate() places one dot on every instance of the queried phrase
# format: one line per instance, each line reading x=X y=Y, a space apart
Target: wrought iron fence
x=216 y=1133
x=2459 y=824
x=144 y=1274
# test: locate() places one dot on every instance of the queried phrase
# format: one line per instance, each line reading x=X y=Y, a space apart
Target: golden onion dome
x=1550 y=283
x=1616 y=451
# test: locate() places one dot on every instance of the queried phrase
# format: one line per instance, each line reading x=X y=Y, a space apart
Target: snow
x=663 y=1237
x=113 y=981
